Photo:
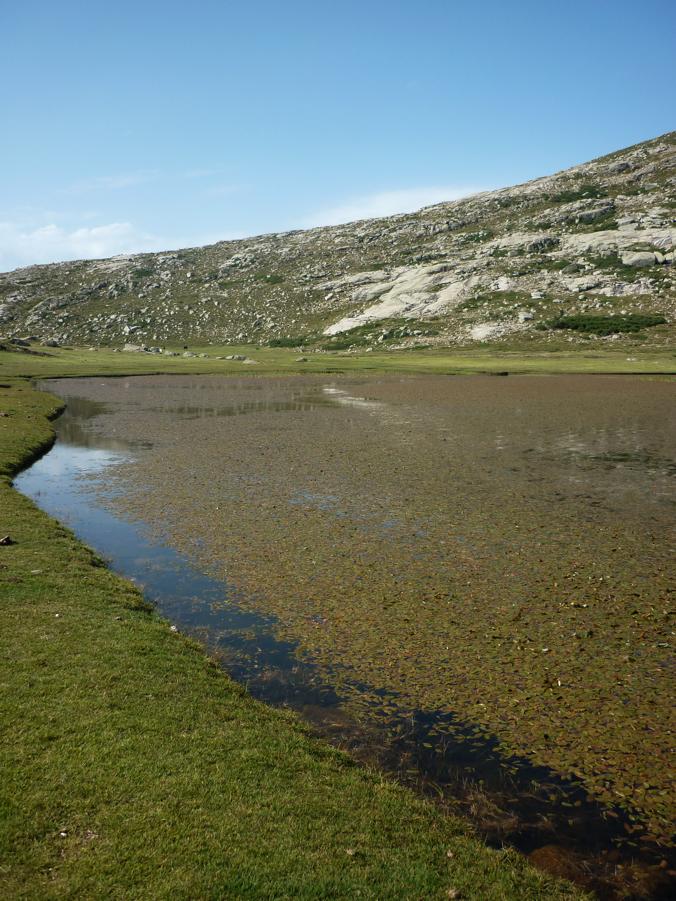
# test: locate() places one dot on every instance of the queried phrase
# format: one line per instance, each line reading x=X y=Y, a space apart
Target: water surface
x=464 y=579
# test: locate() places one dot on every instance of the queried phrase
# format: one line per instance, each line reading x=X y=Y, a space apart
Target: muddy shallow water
x=464 y=578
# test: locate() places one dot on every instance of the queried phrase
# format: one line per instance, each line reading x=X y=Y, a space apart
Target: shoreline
x=71 y=834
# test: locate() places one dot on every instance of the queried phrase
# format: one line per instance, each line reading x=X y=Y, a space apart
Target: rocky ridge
x=540 y=262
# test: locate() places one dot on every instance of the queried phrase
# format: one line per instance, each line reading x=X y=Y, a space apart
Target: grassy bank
x=133 y=768
x=53 y=362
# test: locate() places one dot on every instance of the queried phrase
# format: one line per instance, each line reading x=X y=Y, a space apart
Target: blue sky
x=147 y=125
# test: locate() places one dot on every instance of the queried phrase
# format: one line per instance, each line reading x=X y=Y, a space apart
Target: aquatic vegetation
x=440 y=544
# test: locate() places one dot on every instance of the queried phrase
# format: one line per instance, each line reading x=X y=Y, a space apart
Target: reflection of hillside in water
x=78 y=427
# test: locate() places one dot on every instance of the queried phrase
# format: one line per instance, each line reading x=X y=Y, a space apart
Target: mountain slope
x=585 y=254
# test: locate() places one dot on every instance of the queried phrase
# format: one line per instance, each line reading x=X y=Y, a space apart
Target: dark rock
x=542 y=244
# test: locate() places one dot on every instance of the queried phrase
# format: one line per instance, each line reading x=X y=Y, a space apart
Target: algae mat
x=498 y=548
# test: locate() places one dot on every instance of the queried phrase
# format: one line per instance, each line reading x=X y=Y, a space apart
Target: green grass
x=493 y=298
x=608 y=222
x=583 y=192
x=134 y=768
x=365 y=335
x=290 y=342
x=273 y=279
x=82 y=362
x=612 y=263
x=477 y=237
x=613 y=324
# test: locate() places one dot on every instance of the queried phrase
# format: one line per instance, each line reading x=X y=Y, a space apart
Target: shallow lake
x=463 y=579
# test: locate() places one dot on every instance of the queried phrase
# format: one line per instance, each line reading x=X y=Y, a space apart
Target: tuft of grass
x=494 y=299
x=608 y=222
x=583 y=192
x=290 y=342
x=389 y=329
x=612 y=263
x=477 y=237
x=273 y=279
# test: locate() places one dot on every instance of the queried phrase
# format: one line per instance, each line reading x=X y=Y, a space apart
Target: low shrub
x=613 y=324
x=289 y=342
x=584 y=192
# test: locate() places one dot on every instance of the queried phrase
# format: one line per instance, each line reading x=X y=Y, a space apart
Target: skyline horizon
x=351 y=204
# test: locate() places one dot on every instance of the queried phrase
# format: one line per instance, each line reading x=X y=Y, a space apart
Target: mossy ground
x=133 y=768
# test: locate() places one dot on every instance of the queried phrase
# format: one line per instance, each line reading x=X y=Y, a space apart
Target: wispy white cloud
x=225 y=190
x=21 y=246
x=200 y=173
x=387 y=203
x=34 y=216
x=33 y=236
x=113 y=182
x=123 y=180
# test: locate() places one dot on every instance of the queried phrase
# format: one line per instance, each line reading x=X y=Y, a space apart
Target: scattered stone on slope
x=638 y=259
x=587 y=238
